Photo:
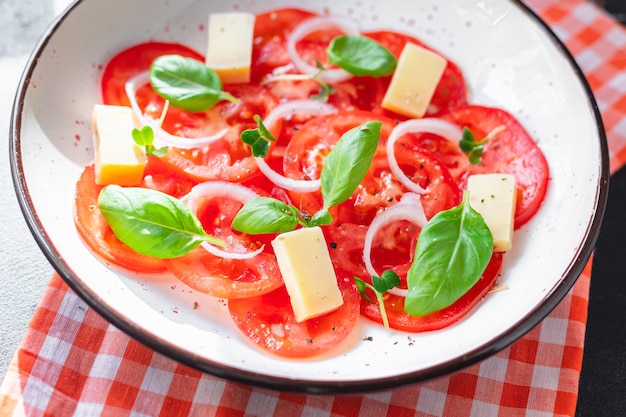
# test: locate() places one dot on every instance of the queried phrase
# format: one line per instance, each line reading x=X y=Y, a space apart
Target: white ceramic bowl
x=510 y=60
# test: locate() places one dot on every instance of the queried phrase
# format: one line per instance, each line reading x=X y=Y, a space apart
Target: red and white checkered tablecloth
x=74 y=363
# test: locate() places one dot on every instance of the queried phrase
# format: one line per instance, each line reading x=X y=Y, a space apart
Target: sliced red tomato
x=448 y=152
x=227 y=278
x=379 y=189
x=400 y=320
x=228 y=158
x=222 y=277
x=269 y=322
x=158 y=176
x=393 y=248
x=270 y=33
x=97 y=234
x=512 y=151
x=451 y=91
x=132 y=61
x=307 y=151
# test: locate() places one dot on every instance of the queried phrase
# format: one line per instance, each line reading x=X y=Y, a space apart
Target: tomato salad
x=307 y=115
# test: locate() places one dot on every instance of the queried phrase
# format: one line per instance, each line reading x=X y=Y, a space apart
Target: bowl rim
x=530 y=320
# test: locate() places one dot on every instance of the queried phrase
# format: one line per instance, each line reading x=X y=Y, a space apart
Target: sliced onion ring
x=333 y=75
x=285 y=111
x=131 y=87
x=441 y=127
x=408 y=208
x=226 y=189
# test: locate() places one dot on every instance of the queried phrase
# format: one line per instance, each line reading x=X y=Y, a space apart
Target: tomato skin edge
x=96 y=233
x=262 y=320
x=400 y=320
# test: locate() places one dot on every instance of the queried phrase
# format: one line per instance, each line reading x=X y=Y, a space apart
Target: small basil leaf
x=265 y=215
x=361 y=56
x=348 y=162
x=151 y=222
x=453 y=250
x=322 y=218
x=187 y=83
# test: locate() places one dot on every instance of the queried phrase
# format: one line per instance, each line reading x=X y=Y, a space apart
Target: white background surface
x=24 y=271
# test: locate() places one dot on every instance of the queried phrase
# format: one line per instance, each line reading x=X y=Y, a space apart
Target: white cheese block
x=229 y=50
x=118 y=159
x=494 y=196
x=414 y=81
x=308 y=272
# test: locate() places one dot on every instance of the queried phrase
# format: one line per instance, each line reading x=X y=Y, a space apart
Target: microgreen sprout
x=145 y=137
x=259 y=138
x=380 y=285
x=473 y=148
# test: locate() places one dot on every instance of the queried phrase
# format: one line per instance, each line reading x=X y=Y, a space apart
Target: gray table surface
x=24 y=271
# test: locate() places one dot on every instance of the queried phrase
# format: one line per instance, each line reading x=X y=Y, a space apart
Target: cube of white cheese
x=118 y=159
x=414 y=81
x=494 y=196
x=229 y=50
x=308 y=272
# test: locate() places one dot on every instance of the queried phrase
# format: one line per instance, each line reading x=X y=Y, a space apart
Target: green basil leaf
x=452 y=252
x=348 y=162
x=361 y=56
x=151 y=222
x=265 y=215
x=322 y=218
x=187 y=83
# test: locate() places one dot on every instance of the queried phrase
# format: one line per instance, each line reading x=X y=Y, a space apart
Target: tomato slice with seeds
x=269 y=321
x=97 y=234
x=130 y=62
x=451 y=92
x=228 y=158
x=227 y=278
x=512 y=151
x=400 y=320
x=222 y=277
x=271 y=29
x=307 y=151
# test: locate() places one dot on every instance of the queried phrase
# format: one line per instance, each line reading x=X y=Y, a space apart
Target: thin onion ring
x=286 y=110
x=221 y=188
x=131 y=87
x=441 y=127
x=408 y=208
x=332 y=75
